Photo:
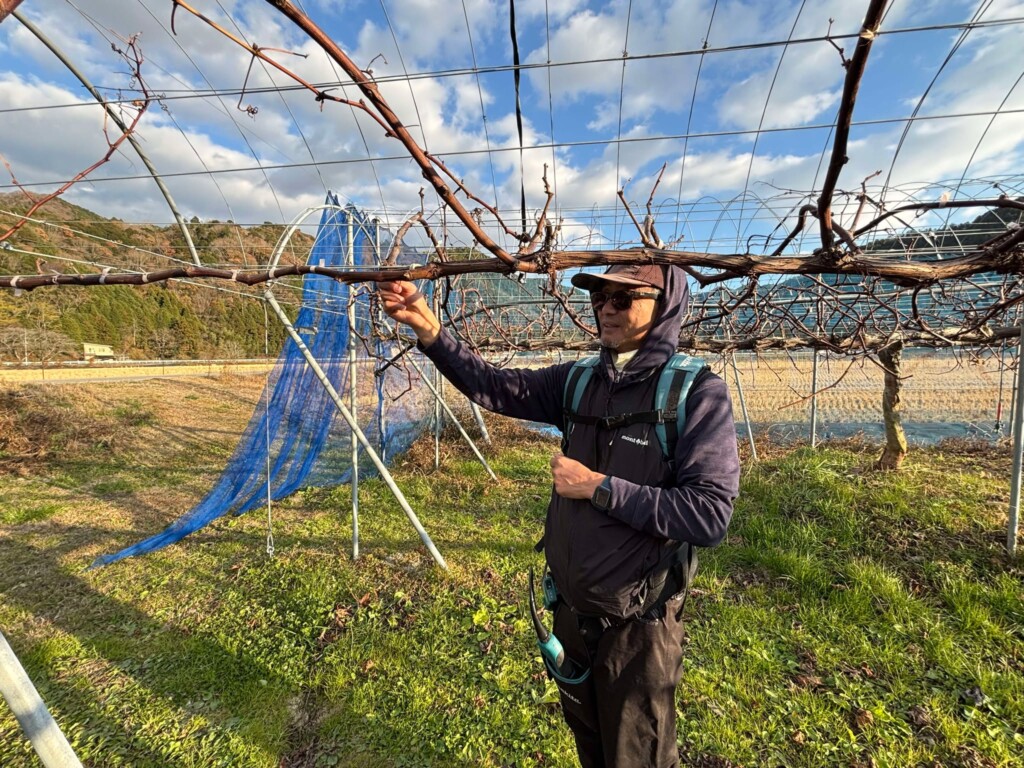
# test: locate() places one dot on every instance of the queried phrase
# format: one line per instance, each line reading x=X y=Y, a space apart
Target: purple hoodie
x=600 y=560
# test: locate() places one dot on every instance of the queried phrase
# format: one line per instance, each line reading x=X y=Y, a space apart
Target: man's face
x=624 y=330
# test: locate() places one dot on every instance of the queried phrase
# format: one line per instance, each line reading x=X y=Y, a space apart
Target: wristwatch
x=602 y=498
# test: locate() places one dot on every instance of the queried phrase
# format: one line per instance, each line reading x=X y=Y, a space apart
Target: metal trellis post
x=1013 y=392
x=31 y=713
x=381 y=442
x=354 y=425
x=814 y=398
x=350 y=259
x=479 y=416
x=998 y=429
x=1018 y=450
x=438 y=398
x=743 y=407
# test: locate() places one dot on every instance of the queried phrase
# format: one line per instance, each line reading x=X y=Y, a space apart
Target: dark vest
x=599 y=563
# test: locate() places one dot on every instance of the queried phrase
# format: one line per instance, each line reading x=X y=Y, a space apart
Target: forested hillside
x=169 y=320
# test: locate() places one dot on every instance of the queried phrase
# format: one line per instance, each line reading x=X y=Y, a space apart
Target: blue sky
x=652 y=102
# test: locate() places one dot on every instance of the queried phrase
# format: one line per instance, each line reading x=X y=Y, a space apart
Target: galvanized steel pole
x=743 y=407
x=382 y=413
x=31 y=713
x=998 y=428
x=347 y=415
x=1018 y=451
x=350 y=259
x=478 y=415
x=814 y=398
x=436 y=388
x=438 y=397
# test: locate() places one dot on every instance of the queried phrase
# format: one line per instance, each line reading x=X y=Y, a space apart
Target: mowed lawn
x=851 y=618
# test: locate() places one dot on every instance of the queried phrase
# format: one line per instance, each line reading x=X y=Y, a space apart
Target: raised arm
x=522 y=393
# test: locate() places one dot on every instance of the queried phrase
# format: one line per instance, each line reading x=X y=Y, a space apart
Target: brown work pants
x=624 y=714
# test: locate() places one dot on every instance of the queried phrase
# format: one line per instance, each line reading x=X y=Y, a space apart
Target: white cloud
x=554 y=10
x=426 y=32
x=795 y=85
x=291 y=128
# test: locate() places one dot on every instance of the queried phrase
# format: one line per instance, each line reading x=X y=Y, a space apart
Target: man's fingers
x=399 y=292
x=392 y=301
x=394 y=286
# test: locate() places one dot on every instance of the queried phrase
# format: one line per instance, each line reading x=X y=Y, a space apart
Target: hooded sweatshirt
x=601 y=560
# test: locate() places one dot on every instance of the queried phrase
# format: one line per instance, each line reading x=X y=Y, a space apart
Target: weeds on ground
x=851 y=618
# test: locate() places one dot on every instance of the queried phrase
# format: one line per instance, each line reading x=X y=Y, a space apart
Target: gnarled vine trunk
x=7 y=6
x=895 y=439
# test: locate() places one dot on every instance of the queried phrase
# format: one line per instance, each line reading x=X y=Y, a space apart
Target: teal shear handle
x=551 y=650
x=550 y=647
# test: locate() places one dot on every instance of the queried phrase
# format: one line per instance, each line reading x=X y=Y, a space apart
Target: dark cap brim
x=591 y=282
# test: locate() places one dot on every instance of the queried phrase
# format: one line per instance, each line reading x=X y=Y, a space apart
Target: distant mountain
x=167 y=320
x=923 y=245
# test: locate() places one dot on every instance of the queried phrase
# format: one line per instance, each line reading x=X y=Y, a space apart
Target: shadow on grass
x=35 y=580
x=171 y=667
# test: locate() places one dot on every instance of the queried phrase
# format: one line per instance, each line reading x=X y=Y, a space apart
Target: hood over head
x=662 y=340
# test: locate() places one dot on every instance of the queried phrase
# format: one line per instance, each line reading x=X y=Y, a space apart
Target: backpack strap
x=674 y=384
x=672 y=575
x=678 y=567
x=579 y=376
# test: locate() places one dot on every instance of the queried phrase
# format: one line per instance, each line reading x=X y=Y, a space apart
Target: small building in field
x=97 y=352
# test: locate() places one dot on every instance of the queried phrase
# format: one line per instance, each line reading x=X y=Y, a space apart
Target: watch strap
x=602 y=496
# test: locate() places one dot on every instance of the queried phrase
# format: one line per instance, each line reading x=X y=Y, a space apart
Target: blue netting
x=296 y=429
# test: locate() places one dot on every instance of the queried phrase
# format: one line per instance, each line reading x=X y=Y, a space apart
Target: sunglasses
x=621 y=300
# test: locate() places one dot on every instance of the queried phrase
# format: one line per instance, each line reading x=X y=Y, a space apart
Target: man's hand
x=404 y=304
x=572 y=479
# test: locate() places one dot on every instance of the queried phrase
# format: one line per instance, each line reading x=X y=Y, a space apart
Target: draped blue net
x=297 y=436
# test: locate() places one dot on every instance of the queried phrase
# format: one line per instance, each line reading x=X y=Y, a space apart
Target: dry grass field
x=937 y=388
x=92 y=443
x=942 y=395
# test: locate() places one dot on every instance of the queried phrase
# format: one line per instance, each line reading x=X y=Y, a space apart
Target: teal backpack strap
x=579 y=376
x=674 y=384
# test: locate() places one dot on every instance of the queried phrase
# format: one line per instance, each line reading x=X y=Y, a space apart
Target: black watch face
x=602 y=497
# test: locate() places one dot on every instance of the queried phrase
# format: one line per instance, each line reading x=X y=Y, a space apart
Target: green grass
x=849 y=617
x=27 y=512
x=133 y=413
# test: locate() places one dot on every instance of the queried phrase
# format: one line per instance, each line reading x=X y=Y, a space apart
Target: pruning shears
x=550 y=647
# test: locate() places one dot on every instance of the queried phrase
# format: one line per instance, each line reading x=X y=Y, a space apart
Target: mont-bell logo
x=569 y=696
x=635 y=440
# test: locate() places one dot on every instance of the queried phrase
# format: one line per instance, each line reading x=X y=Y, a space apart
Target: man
x=618 y=507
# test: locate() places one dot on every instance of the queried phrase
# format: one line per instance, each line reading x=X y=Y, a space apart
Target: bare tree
x=163 y=342
x=50 y=346
x=13 y=343
x=132 y=112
